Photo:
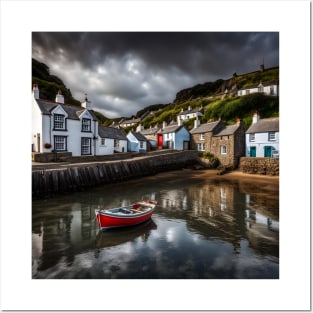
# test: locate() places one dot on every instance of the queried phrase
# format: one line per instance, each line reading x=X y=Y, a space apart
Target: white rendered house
x=262 y=137
x=190 y=113
x=60 y=127
x=111 y=140
x=269 y=88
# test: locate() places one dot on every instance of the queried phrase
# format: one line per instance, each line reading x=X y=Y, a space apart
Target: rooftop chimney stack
x=238 y=122
x=196 y=123
x=59 y=97
x=35 y=91
x=86 y=104
x=255 y=117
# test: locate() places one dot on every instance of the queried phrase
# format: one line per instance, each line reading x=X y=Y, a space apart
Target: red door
x=160 y=141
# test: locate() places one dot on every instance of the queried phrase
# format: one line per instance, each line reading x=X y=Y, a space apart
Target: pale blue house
x=137 y=142
x=174 y=137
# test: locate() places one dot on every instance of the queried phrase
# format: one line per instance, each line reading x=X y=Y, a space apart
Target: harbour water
x=204 y=227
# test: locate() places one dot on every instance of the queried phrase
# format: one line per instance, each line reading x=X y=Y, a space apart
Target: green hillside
x=228 y=109
x=49 y=85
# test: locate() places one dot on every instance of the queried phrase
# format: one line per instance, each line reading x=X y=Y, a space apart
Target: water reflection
x=201 y=229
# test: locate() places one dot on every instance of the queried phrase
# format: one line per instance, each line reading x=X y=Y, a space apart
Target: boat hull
x=107 y=219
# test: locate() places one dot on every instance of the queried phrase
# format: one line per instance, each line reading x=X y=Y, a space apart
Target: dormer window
x=86 y=125
x=58 y=122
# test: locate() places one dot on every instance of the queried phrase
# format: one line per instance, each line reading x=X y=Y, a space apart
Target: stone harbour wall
x=79 y=177
x=262 y=166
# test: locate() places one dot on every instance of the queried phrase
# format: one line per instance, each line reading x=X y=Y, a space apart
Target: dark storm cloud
x=136 y=69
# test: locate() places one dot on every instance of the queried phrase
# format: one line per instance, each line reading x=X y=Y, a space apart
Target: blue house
x=174 y=137
x=137 y=142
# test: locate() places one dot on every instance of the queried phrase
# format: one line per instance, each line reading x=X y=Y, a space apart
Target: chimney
x=139 y=128
x=86 y=104
x=196 y=123
x=255 y=117
x=164 y=124
x=238 y=121
x=35 y=91
x=179 y=121
x=59 y=97
x=262 y=68
x=189 y=108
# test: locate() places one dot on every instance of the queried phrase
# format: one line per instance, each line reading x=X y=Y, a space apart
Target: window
x=85 y=146
x=116 y=143
x=261 y=88
x=272 y=90
x=201 y=136
x=60 y=143
x=247 y=91
x=252 y=137
x=102 y=141
x=58 y=122
x=141 y=144
x=223 y=150
x=271 y=136
x=201 y=147
x=86 y=125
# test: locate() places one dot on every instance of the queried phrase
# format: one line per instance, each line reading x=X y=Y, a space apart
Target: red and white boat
x=133 y=214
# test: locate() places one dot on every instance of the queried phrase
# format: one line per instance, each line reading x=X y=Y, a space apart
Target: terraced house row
x=61 y=127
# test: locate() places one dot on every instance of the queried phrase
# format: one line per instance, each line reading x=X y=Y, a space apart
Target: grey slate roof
x=204 y=128
x=190 y=111
x=195 y=110
x=135 y=120
x=264 y=125
x=111 y=132
x=170 y=129
x=73 y=111
x=228 y=130
x=150 y=131
x=139 y=137
x=264 y=83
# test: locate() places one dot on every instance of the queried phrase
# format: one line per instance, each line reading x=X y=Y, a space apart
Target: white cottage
x=262 y=137
x=111 y=140
x=269 y=88
x=60 y=127
x=190 y=113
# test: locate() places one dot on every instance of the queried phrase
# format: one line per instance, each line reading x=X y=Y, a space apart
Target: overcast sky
x=123 y=72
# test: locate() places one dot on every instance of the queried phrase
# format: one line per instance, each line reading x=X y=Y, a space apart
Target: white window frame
x=60 y=143
x=202 y=136
x=102 y=142
x=252 y=137
x=223 y=150
x=271 y=136
x=58 y=122
x=116 y=143
x=85 y=146
x=86 y=125
x=201 y=146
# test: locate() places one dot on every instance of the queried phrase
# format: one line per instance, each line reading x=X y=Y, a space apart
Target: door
x=267 y=151
x=38 y=142
x=253 y=152
x=186 y=145
x=160 y=141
